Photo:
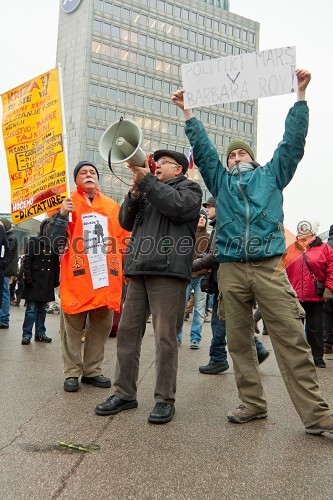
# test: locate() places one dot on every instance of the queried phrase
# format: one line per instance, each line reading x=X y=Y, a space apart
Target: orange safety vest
x=91 y=268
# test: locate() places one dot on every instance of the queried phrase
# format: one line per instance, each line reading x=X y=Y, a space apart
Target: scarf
x=242 y=167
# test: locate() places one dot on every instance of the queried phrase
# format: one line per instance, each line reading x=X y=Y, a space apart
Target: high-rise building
x=123 y=58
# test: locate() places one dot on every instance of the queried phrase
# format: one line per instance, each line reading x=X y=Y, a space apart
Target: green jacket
x=249 y=210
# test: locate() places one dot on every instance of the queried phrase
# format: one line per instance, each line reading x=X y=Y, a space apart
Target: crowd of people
x=156 y=246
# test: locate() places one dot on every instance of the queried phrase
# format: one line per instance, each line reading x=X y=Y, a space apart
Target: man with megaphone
x=162 y=211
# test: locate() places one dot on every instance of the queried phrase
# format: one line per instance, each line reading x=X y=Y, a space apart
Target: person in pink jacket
x=309 y=265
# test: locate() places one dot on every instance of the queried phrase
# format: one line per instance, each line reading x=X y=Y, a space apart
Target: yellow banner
x=33 y=138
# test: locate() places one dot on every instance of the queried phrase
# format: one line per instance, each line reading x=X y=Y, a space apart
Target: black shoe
x=25 y=341
x=71 y=384
x=114 y=405
x=262 y=356
x=320 y=363
x=162 y=413
x=213 y=368
x=3 y=327
x=44 y=338
x=98 y=381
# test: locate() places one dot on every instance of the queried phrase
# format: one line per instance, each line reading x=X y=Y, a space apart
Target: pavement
x=199 y=455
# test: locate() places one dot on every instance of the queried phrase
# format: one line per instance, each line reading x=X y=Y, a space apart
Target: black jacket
x=163 y=223
x=4 y=257
x=11 y=267
x=40 y=271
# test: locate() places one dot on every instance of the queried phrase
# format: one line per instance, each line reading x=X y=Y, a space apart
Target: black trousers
x=314 y=328
x=328 y=323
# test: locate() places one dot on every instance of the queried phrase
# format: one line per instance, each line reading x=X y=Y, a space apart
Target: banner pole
x=64 y=133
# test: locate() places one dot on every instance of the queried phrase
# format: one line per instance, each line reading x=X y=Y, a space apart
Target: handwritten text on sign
x=240 y=78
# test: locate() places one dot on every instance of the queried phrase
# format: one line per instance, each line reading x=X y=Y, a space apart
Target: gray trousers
x=240 y=284
x=97 y=323
x=164 y=298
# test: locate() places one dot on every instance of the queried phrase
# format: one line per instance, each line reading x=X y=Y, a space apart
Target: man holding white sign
x=250 y=243
x=91 y=275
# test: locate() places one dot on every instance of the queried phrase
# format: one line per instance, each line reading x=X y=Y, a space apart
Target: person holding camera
x=309 y=266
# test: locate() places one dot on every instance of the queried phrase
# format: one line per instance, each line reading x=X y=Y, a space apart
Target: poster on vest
x=33 y=136
x=239 y=78
x=95 y=234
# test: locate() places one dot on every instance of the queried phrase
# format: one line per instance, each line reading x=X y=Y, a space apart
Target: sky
x=28 y=40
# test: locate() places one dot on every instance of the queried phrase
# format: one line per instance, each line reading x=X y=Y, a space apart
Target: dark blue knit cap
x=82 y=164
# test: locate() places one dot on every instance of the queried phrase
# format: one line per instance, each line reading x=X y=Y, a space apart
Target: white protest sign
x=95 y=232
x=239 y=78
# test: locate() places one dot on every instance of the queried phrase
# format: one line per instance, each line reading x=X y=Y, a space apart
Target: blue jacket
x=249 y=210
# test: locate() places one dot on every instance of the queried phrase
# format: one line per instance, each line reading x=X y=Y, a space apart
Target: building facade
x=123 y=59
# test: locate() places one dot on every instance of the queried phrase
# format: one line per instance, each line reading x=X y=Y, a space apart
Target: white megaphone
x=121 y=142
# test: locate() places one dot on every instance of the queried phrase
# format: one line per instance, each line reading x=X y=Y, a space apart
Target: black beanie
x=82 y=164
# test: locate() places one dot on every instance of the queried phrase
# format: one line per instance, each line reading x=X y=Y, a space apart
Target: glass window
x=143 y=39
x=242 y=126
x=204 y=118
x=169 y=7
x=167 y=47
x=156 y=126
x=200 y=56
x=193 y=36
x=151 y=42
x=116 y=10
x=160 y=45
x=143 y=20
x=235 y=124
x=158 y=85
x=209 y=22
x=140 y=101
x=237 y=50
x=159 y=65
x=112 y=94
x=229 y=48
x=90 y=157
x=230 y=30
x=149 y=82
x=114 y=51
x=124 y=34
x=165 y=107
x=111 y=115
x=237 y=32
x=166 y=87
x=173 y=129
x=107 y=7
x=116 y=31
x=94 y=68
x=131 y=77
x=126 y=13
x=200 y=38
x=148 y=102
x=201 y=19
x=186 y=14
x=208 y=41
x=192 y=55
x=193 y=16
x=157 y=105
x=216 y=43
x=150 y=62
x=185 y=33
x=184 y=52
x=92 y=111
x=121 y=96
x=249 y=109
x=104 y=70
x=223 y=46
x=114 y=72
x=245 y=33
x=161 y=5
x=103 y=91
x=107 y=29
x=251 y=37
x=212 y=118
x=97 y=25
x=91 y=133
x=101 y=113
x=130 y=98
x=141 y=60
x=249 y=127
x=140 y=80
x=216 y=25
x=98 y=4
x=122 y=75
x=93 y=89
x=176 y=50
x=178 y=12
x=227 y=122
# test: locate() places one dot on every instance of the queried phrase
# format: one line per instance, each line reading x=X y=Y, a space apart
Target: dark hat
x=330 y=231
x=82 y=164
x=210 y=201
x=239 y=144
x=179 y=157
x=6 y=223
x=203 y=212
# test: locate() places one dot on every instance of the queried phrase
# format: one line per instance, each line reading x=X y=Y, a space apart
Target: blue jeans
x=35 y=314
x=198 y=310
x=4 y=311
x=217 y=350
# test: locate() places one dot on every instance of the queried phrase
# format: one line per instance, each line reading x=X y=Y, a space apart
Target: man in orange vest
x=91 y=276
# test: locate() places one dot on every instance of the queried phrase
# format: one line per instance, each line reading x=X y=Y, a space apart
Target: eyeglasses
x=160 y=163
